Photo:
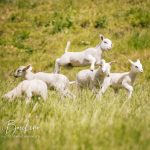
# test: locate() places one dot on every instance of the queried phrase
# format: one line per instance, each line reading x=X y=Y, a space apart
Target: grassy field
x=35 y=32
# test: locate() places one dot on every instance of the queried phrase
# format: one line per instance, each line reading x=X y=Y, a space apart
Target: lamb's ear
x=138 y=60
x=27 y=67
x=101 y=37
x=112 y=62
x=131 y=61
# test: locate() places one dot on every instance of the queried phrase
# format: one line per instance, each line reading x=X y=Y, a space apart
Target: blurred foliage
x=139 y=17
x=60 y=22
x=139 y=41
x=101 y=22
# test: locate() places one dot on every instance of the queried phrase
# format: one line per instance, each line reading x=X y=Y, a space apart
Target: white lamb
x=90 y=56
x=58 y=82
x=28 y=88
x=122 y=80
x=93 y=80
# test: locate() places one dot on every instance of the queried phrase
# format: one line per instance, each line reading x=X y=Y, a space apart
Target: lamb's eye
x=19 y=70
x=136 y=66
x=105 y=42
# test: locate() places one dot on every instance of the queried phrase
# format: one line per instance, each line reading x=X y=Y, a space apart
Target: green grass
x=36 y=32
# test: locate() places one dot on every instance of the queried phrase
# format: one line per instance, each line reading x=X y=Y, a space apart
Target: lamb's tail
x=67 y=46
x=72 y=82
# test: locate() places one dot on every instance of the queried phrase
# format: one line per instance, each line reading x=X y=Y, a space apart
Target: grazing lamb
x=124 y=80
x=28 y=88
x=58 y=82
x=90 y=56
x=86 y=78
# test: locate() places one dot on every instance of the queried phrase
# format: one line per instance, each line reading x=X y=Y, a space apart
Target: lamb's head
x=106 y=67
x=21 y=71
x=136 y=66
x=106 y=44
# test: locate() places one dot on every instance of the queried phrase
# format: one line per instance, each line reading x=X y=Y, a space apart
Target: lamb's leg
x=105 y=85
x=94 y=90
x=28 y=97
x=92 y=61
x=102 y=91
x=92 y=87
x=28 y=100
x=57 y=66
x=61 y=92
x=67 y=93
x=70 y=94
x=44 y=96
x=129 y=88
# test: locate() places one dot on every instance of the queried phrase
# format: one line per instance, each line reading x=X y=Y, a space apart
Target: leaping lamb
x=90 y=56
x=94 y=79
x=122 y=80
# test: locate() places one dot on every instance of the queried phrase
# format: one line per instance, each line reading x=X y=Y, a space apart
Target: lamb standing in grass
x=28 y=88
x=93 y=80
x=90 y=56
x=58 y=82
x=122 y=80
